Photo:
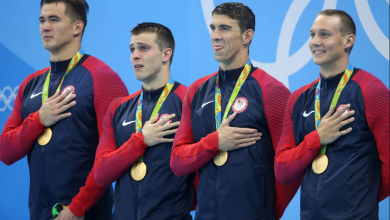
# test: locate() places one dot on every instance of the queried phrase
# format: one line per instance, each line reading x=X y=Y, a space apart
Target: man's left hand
x=66 y=214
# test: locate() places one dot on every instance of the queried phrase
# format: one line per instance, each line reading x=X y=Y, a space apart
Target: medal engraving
x=220 y=158
x=138 y=171
x=45 y=136
x=320 y=163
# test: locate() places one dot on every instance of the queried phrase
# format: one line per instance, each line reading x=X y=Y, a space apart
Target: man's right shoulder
x=199 y=82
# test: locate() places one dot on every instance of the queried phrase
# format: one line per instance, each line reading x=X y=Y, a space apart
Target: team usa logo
x=340 y=106
x=240 y=104
x=163 y=116
x=67 y=88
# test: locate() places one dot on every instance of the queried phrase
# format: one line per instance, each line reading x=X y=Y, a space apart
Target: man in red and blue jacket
x=138 y=134
x=343 y=157
x=234 y=156
x=60 y=134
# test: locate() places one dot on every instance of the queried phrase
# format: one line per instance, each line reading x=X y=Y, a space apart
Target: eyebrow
x=50 y=16
x=221 y=25
x=139 y=44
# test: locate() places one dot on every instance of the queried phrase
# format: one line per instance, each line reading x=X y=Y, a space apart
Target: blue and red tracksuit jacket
x=357 y=177
x=59 y=170
x=161 y=194
x=245 y=187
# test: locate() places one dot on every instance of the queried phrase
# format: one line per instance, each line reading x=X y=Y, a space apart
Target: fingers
x=346 y=131
x=247 y=144
x=62 y=116
x=329 y=113
x=166 y=140
x=66 y=107
x=164 y=120
x=345 y=122
x=341 y=111
x=152 y=120
x=246 y=140
x=229 y=119
x=169 y=132
x=251 y=135
x=245 y=130
x=169 y=126
x=61 y=97
x=53 y=96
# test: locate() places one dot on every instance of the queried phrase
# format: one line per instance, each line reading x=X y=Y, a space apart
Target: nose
x=135 y=55
x=315 y=41
x=46 y=26
x=215 y=35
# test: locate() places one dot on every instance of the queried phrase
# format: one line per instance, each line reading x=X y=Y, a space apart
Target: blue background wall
x=280 y=46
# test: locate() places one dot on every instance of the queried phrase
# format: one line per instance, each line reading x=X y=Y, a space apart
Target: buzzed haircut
x=75 y=9
x=237 y=11
x=164 y=35
x=347 y=25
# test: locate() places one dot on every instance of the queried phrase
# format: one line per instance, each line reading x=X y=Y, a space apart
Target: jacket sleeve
x=112 y=162
x=376 y=104
x=291 y=161
x=275 y=99
x=19 y=136
x=187 y=156
x=107 y=87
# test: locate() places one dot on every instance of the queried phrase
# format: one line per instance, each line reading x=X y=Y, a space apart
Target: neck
x=328 y=71
x=238 y=61
x=65 y=53
x=159 y=81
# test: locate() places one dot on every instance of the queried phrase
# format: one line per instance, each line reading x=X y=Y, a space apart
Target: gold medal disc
x=220 y=158
x=320 y=163
x=138 y=170
x=45 y=136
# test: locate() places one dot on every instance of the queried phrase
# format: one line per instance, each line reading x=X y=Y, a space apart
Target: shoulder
x=31 y=77
x=96 y=67
x=119 y=101
x=368 y=82
x=180 y=90
x=268 y=83
x=198 y=83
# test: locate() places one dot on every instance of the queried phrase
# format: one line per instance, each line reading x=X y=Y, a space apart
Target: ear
x=78 y=27
x=247 y=36
x=349 y=41
x=167 y=53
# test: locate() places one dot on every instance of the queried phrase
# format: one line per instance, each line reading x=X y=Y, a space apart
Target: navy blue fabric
x=60 y=168
x=161 y=194
x=349 y=188
x=244 y=187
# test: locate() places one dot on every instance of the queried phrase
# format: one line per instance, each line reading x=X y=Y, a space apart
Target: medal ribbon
x=244 y=74
x=138 y=114
x=343 y=81
x=76 y=58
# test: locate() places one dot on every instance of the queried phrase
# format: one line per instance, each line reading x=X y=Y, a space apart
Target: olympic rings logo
x=286 y=65
x=7 y=95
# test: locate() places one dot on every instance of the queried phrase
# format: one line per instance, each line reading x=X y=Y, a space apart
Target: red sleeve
x=187 y=156
x=18 y=137
x=291 y=161
x=107 y=86
x=275 y=96
x=112 y=162
x=181 y=92
x=376 y=105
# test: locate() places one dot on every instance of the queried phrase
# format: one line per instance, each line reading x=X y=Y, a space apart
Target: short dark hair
x=347 y=25
x=75 y=9
x=164 y=35
x=237 y=11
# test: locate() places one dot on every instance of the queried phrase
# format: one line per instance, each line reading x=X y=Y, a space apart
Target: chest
x=248 y=104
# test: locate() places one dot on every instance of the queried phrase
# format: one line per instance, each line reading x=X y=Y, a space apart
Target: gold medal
x=220 y=158
x=138 y=170
x=320 y=163
x=45 y=136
